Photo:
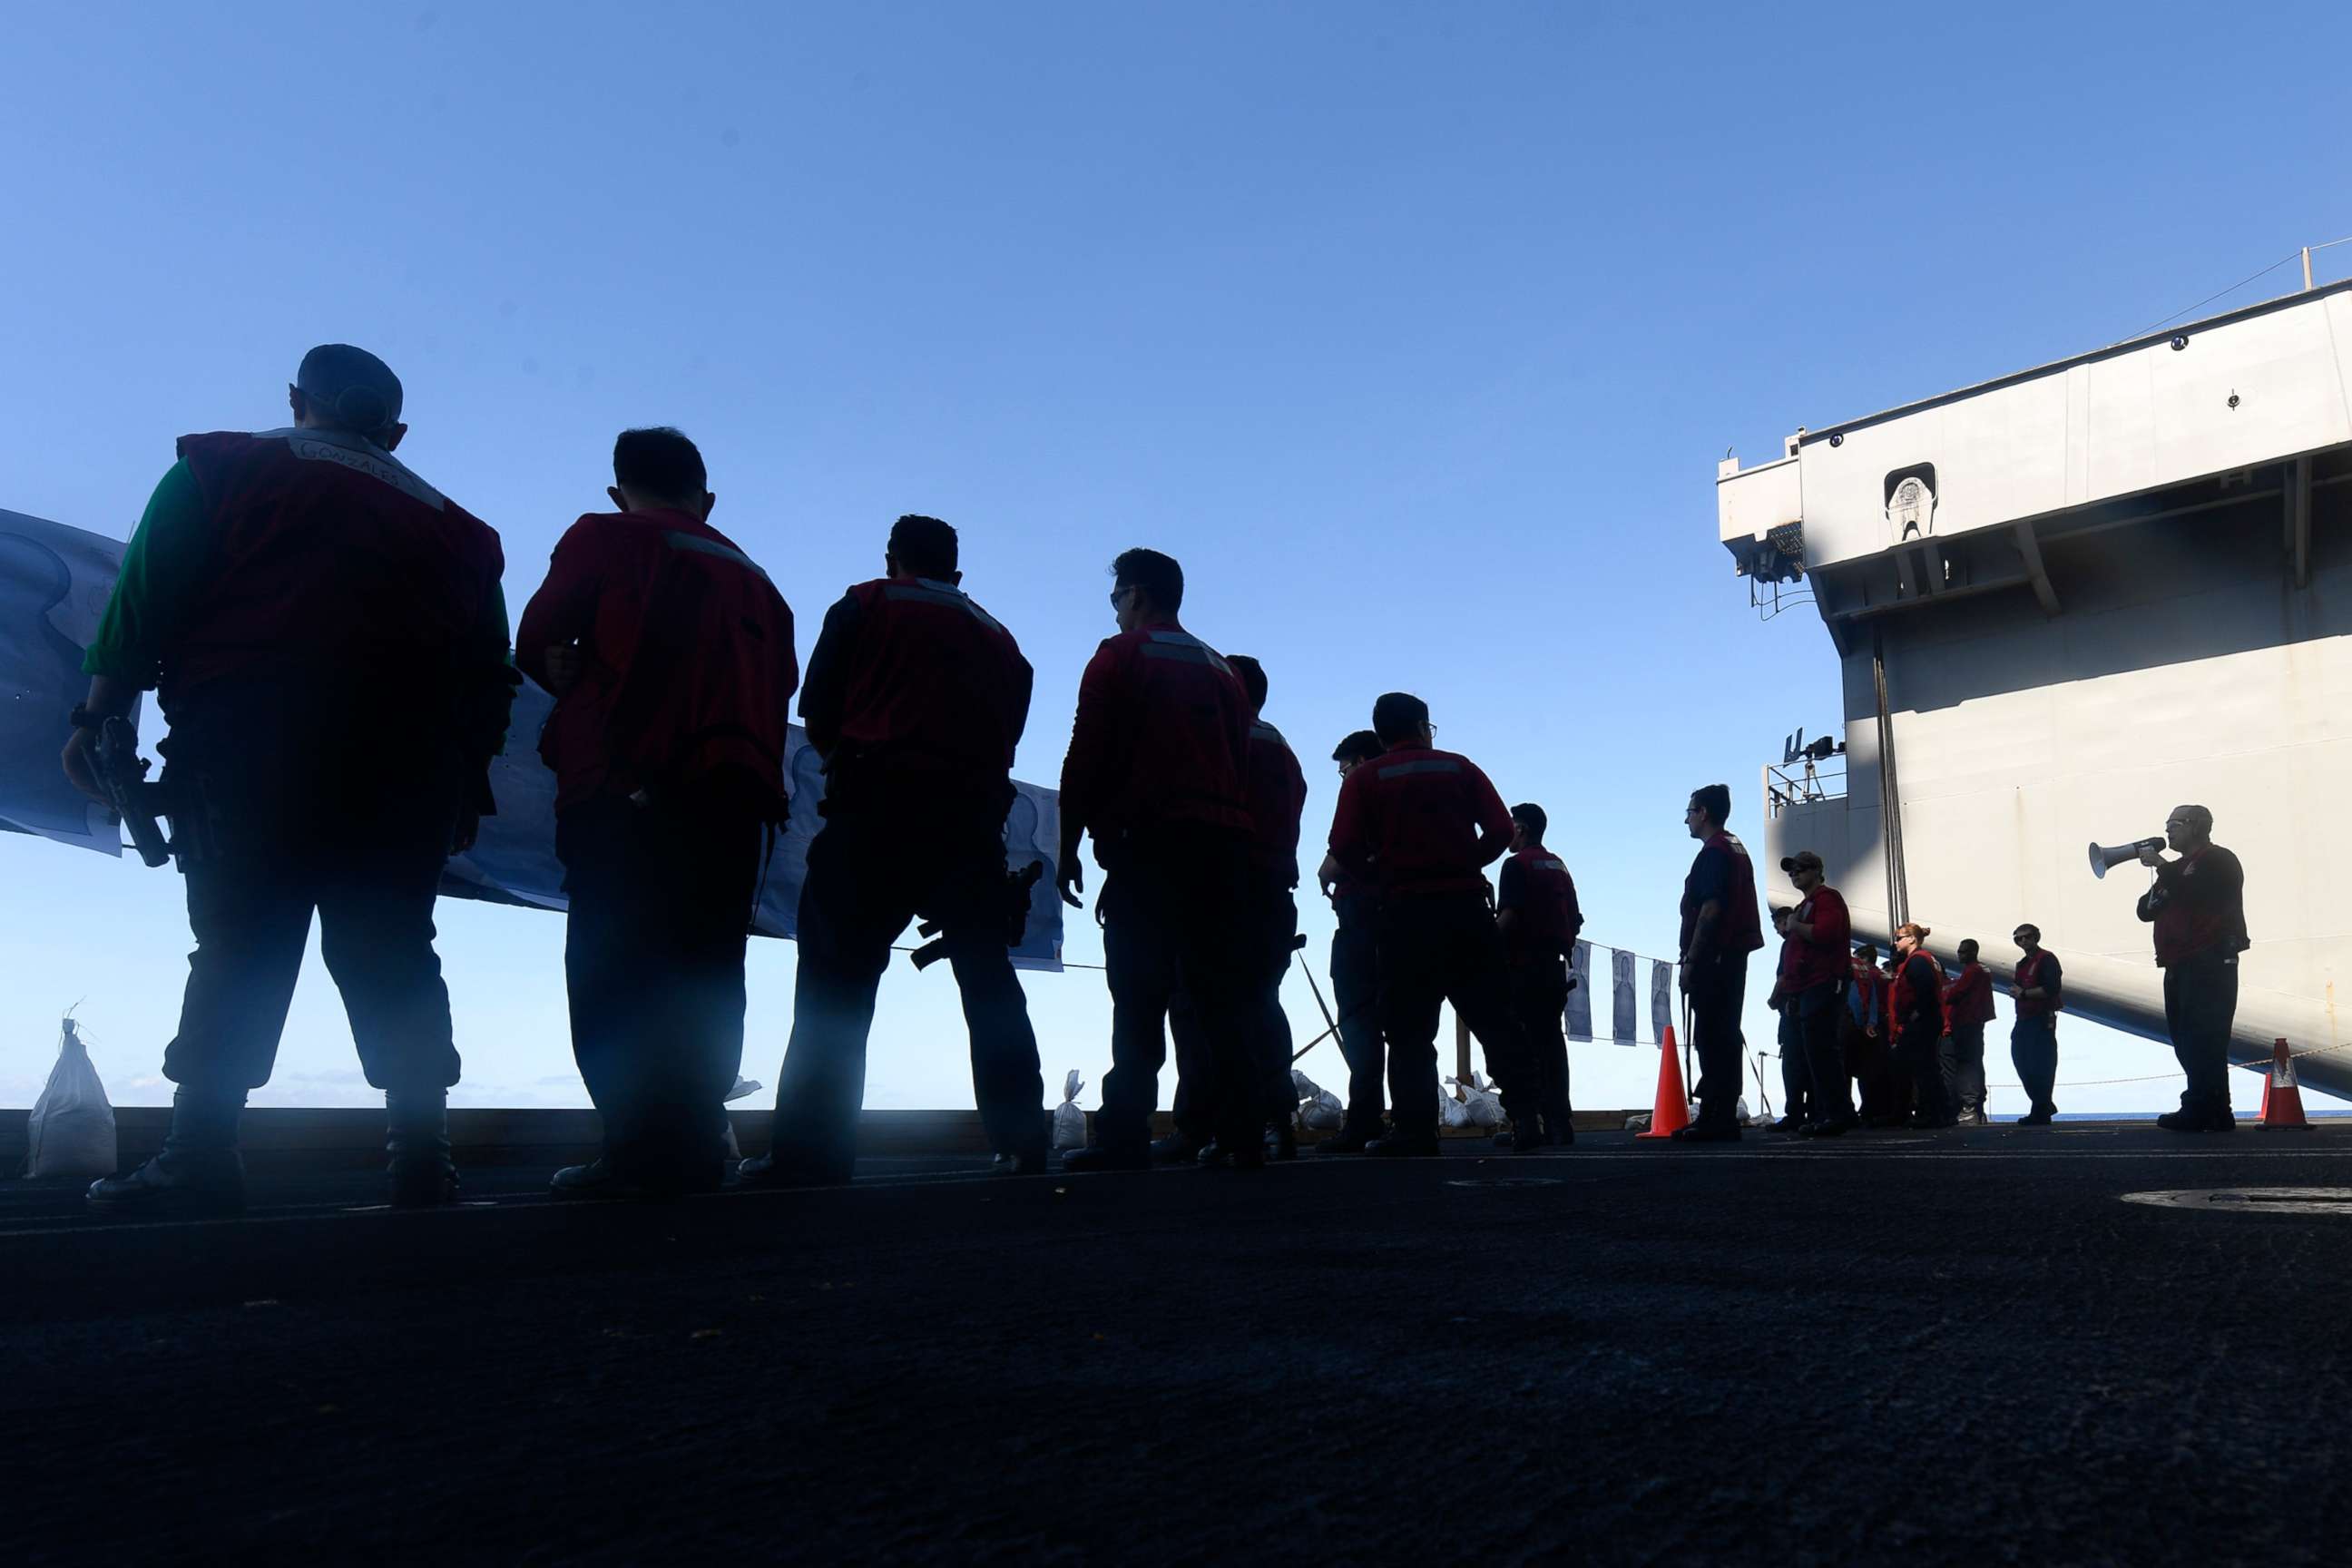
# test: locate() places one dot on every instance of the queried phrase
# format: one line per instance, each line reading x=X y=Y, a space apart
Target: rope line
x=2294 y=255
x=1066 y=963
x=2147 y=1078
x=2290 y=256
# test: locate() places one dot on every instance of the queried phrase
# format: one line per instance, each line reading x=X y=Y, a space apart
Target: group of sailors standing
x=1911 y=1038
x=328 y=639
x=327 y=634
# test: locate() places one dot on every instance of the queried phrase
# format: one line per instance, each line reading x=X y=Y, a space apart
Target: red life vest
x=688 y=661
x=1161 y=737
x=1968 y=998
x=1867 y=1003
x=1824 y=959
x=1781 y=968
x=1415 y=815
x=937 y=691
x=1919 y=999
x=2031 y=973
x=1278 y=795
x=1548 y=921
x=331 y=561
x=1743 y=928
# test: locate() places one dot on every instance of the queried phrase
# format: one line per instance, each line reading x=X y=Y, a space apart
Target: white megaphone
x=2104 y=858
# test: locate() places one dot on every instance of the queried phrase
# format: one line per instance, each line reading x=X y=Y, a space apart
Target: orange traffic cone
x=2282 y=1100
x=1672 y=1113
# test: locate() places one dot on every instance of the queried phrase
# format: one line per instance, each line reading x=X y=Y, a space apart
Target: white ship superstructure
x=2064 y=602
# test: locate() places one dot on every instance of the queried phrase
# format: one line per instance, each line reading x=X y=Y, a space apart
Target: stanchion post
x=1690 y=1084
x=1331 y=1024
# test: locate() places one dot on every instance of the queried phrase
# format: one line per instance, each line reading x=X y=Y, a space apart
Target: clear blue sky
x=1415 y=332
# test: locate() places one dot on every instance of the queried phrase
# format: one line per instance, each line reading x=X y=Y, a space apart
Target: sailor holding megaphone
x=2198 y=906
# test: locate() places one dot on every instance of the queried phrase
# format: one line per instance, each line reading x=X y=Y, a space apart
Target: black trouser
x=1818 y=1010
x=870 y=872
x=1356 y=994
x=297 y=822
x=1174 y=907
x=1796 y=1082
x=1437 y=948
x=1967 y=1071
x=2200 y=1003
x=1919 y=1060
x=1540 y=997
x=652 y=963
x=1717 y=991
x=2033 y=1051
x=1273 y=923
x=1193 y=1108
x=1278 y=929
x=1868 y=1059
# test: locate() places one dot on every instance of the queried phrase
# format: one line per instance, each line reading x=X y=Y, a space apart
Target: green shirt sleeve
x=163 y=571
x=494 y=623
x=495 y=615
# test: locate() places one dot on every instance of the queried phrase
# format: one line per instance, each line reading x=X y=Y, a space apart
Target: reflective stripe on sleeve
x=679 y=538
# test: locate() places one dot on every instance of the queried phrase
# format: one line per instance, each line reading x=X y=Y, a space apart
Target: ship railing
x=1803 y=783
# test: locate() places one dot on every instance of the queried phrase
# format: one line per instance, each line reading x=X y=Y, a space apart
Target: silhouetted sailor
x=1796 y=1084
x=1278 y=797
x=1814 y=985
x=2040 y=983
x=1156 y=773
x=1355 y=976
x=671 y=656
x=2198 y=906
x=1916 y=1000
x=1865 y=1032
x=1968 y=1007
x=1421 y=823
x=326 y=633
x=916 y=698
x=1720 y=928
x=1536 y=910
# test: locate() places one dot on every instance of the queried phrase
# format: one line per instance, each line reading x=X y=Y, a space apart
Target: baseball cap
x=1802 y=858
x=350 y=386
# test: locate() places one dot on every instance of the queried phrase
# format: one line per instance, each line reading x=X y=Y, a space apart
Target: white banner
x=1579 y=996
x=54 y=585
x=1621 y=973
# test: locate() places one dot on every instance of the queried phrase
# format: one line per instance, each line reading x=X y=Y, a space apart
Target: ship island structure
x=2064 y=602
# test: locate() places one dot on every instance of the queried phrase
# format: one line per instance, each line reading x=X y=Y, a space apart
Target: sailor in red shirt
x=327 y=635
x=1422 y=822
x=1156 y=773
x=2198 y=906
x=2039 y=984
x=1720 y=928
x=1968 y=1008
x=1278 y=795
x=1796 y=1083
x=1277 y=798
x=1356 y=975
x=670 y=653
x=1536 y=910
x=1819 y=933
x=1917 y=1005
x=1865 y=1034
x=915 y=698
